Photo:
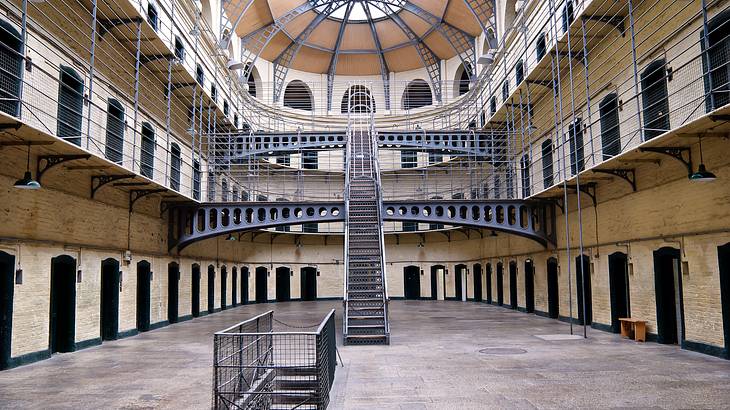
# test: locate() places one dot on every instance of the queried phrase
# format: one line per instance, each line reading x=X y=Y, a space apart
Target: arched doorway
x=109 y=299
x=173 y=291
x=63 y=304
x=668 y=287
x=583 y=289
x=435 y=269
x=489 y=283
x=195 y=291
x=261 y=286
x=7 y=283
x=500 y=284
x=723 y=257
x=553 y=291
x=244 y=284
x=224 y=287
x=283 y=284
x=234 y=286
x=477 y=271
x=459 y=281
x=308 y=283
x=618 y=282
x=211 y=289
x=529 y=286
x=513 y=285
x=412 y=282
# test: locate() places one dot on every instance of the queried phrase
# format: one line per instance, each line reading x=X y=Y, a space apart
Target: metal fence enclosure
x=257 y=368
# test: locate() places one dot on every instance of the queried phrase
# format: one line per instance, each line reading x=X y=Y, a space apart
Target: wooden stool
x=633 y=328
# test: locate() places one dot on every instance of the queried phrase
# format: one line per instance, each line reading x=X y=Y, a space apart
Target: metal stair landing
x=366 y=299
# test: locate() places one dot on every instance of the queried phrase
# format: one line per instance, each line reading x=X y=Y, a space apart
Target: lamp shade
x=27 y=182
x=702 y=175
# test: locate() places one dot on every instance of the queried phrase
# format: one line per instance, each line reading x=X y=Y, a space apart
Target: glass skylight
x=378 y=10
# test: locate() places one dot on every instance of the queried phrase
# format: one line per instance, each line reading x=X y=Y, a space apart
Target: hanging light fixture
x=231 y=237
x=27 y=182
x=702 y=174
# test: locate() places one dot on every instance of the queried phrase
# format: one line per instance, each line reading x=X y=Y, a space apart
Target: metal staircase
x=365 y=294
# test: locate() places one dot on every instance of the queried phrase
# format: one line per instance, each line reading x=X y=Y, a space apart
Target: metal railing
x=255 y=367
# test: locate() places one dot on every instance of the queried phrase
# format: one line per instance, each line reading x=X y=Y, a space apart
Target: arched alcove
x=297 y=95
x=416 y=95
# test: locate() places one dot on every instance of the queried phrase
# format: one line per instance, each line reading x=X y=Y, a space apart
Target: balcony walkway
x=433 y=362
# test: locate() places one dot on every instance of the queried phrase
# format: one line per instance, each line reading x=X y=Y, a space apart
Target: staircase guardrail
x=255 y=367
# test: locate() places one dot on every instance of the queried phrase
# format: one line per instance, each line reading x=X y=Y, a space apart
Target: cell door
x=513 y=285
x=583 y=288
x=7 y=267
x=489 y=283
x=529 y=287
x=477 y=271
x=723 y=256
x=195 y=291
x=109 y=299
x=309 y=283
x=655 y=98
x=144 y=277
x=63 y=304
x=173 y=283
x=668 y=288
x=283 y=284
x=553 y=289
x=244 y=285
x=619 y=287
x=261 y=285
x=500 y=284
x=412 y=282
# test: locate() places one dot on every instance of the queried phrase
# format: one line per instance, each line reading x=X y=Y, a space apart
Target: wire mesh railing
x=256 y=367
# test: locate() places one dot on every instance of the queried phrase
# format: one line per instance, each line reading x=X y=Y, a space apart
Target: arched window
x=196 y=180
x=568 y=15
x=357 y=100
x=199 y=75
x=717 y=48
x=547 y=164
x=519 y=72
x=10 y=68
x=525 y=168
x=152 y=16
x=147 y=156
x=297 y=95
x=175 y=166
x=575 y=136
x=540 y=46
x=416 y=95
x=655 y=99
x=70 y=105
x=114 y=149
x=610 y=135
x=463 y=77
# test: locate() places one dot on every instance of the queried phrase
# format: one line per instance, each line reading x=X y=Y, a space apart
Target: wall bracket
x=628 y=175
x=674 y=152
x=98 y=181
x=137 y=194
x=47 y=162
x=588 y=188
x=616 y=21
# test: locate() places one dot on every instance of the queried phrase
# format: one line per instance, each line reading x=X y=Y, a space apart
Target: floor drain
x=503 y=351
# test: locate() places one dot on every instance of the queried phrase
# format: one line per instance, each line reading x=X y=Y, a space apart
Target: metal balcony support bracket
x=588 y=188
x=575 y=55
x=98 y=181
x=616 y=21
x=628 y=175
x=137 y=194
x=720 y=117
x=545 y=83
x=557 y=201
x=177 y=86
x=674 y=152
x=47 y=162
x=144 y=59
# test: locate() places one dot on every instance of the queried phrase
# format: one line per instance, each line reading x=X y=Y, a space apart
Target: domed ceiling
x=355 y=37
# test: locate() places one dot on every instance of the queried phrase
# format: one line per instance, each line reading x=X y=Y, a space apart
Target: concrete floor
x=434 y=362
